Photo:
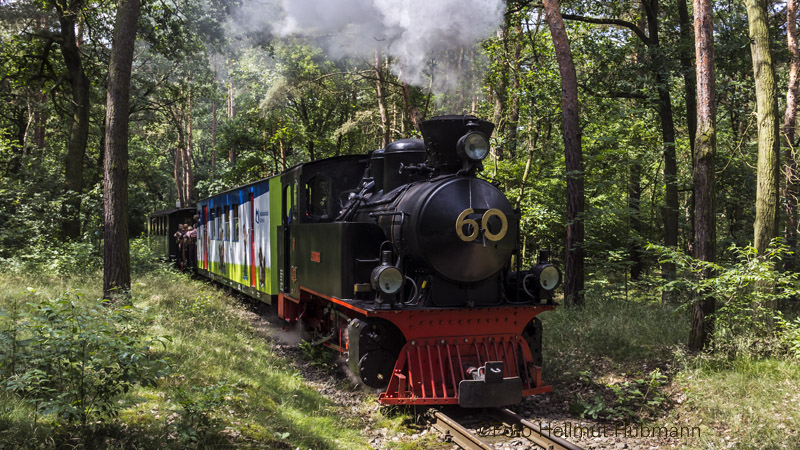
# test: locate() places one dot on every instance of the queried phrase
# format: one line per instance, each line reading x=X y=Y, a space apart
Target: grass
x=742 y=403
x=739 y=402
x=227 y=387
x=620 y=334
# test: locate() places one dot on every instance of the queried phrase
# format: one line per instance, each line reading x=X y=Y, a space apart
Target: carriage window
x=224 y=232
x=219 y=224
x=318 y=195
x=235 y=222
x=295 y=189
x=211 y=225
x=287 y=208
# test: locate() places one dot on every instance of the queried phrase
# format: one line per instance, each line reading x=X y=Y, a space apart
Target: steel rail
x=460 y=435
x=536 y=435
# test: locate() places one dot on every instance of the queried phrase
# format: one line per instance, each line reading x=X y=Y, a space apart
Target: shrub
x=746 y=290
x=623 y=401
x=197 y=408
x=72 y=359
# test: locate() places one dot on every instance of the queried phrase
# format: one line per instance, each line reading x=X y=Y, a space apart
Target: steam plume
x=410 y=31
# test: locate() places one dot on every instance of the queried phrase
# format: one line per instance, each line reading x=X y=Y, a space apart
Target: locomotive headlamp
x=548 y=275
x=387 y=279
x=473 y=146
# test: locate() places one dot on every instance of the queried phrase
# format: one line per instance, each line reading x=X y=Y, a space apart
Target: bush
x=72 y=359
x=78 y=258
x=789 y=333
x=747 y=291
x=625 y=400
x=58 y=258
x=197 y=408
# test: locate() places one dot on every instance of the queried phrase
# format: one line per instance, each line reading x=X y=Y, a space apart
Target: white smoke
x=411 y=32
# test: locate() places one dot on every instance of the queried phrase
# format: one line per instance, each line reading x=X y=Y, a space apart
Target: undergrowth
x=179 y=367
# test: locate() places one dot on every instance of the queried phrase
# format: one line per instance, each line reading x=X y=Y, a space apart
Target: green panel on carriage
x=274 y=223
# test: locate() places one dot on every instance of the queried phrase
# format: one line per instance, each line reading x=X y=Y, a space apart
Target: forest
x=648 y=145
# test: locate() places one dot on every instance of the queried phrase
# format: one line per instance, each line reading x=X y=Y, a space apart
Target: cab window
x=318 y=197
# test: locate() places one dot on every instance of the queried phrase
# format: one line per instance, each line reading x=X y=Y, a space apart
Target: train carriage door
x=251 y=241
x=205 y=237
x=286 y=219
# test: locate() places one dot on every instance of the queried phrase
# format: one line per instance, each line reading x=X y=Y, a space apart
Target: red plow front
x=473 y=358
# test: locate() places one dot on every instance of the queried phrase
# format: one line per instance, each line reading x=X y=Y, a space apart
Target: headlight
x=387 y=279
x=548 y=275
x=473 y=145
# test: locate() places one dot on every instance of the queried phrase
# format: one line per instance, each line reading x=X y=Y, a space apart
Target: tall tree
x=68 y=16
x=573 y=266
x=661 y=74
x=662 y=78
x=689 y=87
x=789 y=130
x=766 y=223
x=116 y=254
x=231 y=114
x=381 y=94
x=704 y=154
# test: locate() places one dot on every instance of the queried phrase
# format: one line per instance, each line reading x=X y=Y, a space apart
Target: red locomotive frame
x=441 y=347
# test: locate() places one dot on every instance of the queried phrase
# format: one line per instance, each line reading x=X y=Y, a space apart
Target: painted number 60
x=475 y=230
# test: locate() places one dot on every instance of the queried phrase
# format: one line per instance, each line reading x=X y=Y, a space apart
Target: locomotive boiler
x=404 y=260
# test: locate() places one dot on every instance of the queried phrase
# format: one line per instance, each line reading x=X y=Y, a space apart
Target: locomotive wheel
x=533 y=335
x=373 y=346
x=376 y=367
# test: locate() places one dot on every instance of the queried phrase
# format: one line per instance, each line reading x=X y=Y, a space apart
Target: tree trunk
x=178 y=176
x=789 y=129
x=188 y=160
x=380 y=88
x=40 y=122
x=573 y=267
x=116 y=257
x=661 y=74
x=231 y=114
x=500 y=91
x=704 y=184
x=513 y=113
x=411 y=111
x=79 y=130
x=180 y=155
x=283 y=155
x=634 y=200
x=689 y=87
x=532 y=139
x=766 y=222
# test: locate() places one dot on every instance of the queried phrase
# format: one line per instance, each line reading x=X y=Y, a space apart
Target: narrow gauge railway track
x=468 y=440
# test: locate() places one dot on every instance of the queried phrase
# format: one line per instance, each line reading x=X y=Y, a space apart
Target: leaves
x=73 y=359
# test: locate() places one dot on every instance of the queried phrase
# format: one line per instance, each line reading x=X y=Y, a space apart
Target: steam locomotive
x=402 y=259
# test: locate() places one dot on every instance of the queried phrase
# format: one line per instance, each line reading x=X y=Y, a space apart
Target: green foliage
x=198 y=405
x=747 y=291
x=319 y=355
x=789 y=334
x=71 y=359
x=78 y=258
x=626 y=400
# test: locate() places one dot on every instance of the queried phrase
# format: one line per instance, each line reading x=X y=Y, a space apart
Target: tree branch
x=612 y=94
x=608 y=21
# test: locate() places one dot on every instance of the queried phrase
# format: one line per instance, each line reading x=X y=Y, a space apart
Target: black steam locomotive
x=401 y=259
